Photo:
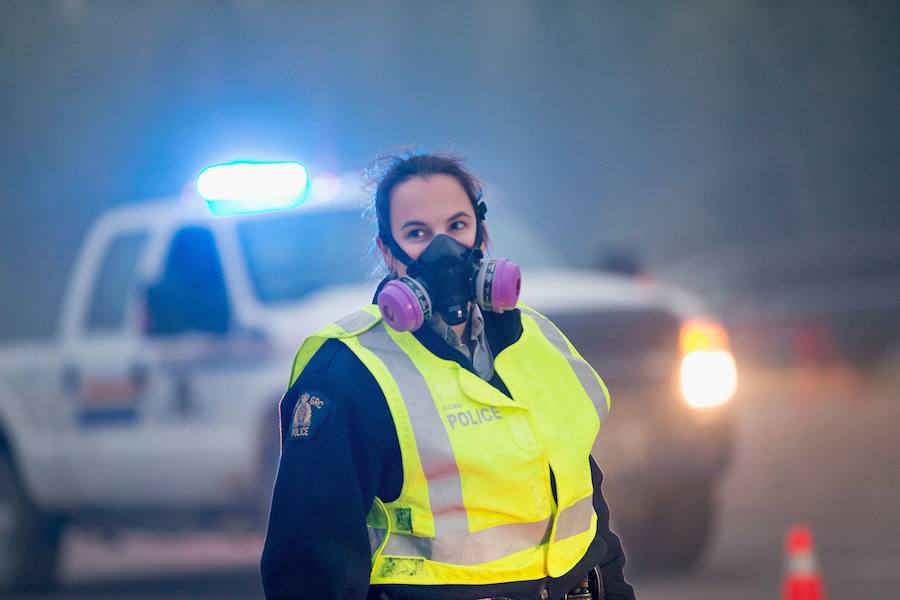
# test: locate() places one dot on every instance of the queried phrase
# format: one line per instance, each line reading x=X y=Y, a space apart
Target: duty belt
x=589 y=588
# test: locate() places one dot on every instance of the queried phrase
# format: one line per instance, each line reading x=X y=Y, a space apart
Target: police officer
x=436 y=444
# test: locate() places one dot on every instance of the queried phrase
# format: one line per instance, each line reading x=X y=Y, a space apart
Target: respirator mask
x=445 y=278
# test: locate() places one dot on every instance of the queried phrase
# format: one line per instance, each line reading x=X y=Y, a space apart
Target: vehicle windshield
x=292 y=255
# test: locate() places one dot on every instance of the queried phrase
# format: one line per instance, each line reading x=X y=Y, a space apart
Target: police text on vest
x=474 y=416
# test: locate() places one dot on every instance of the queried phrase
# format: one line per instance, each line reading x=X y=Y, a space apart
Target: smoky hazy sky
x=669 y=128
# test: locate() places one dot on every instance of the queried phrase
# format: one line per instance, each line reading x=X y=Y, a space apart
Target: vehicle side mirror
x=620 y=261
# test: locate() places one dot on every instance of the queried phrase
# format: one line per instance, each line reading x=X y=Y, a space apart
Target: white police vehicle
x=156 y=407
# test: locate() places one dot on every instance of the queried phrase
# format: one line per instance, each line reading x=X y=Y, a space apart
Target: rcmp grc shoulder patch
x=309 y=412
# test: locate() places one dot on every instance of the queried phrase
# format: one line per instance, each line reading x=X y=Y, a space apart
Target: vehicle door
x=141 y=432
x=104 y=378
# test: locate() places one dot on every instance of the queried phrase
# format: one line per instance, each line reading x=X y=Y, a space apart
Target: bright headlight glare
x=702 y=334
x=708 y=378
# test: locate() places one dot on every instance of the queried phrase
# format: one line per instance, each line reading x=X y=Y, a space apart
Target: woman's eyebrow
x=461 y=213
x=416 y=223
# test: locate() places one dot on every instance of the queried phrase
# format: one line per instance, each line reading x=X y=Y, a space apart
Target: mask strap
x=480 y=211
x=412 y=267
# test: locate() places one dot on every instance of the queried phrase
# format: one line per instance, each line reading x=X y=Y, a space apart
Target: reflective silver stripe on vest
x=355 y=321
x=435 y=451
x=575 y=519
x=472 y=548
x=376 y=536
x=584 y=372
x=453 y=542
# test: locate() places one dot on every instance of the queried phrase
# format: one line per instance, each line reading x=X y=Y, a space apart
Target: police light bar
x=242 y=187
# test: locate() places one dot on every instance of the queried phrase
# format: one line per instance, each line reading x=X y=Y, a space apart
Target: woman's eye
x=415 y=234
x=458 y=225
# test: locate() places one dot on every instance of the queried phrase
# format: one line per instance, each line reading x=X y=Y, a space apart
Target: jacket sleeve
x=612 y=565
x=317 y=544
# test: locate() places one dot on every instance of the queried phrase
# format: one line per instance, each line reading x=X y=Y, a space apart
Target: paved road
x=817 y=447
x=813 y=446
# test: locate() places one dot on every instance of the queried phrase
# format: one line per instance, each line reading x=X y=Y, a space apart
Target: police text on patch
x=303 y=414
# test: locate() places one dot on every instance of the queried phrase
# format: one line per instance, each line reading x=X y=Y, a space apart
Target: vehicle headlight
x=708 y=369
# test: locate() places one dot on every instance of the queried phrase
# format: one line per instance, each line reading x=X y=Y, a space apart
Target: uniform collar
x=481 y=356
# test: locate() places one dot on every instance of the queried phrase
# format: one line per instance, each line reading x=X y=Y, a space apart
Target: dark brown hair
x=387 y=172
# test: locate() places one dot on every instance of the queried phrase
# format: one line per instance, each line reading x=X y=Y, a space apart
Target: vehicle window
x=192 y=294
x=115 y=279
x=289 y=257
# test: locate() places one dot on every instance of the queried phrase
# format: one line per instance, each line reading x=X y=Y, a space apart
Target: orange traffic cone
x=802 y=580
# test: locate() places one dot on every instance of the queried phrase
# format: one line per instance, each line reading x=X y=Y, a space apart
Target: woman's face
x=423 y=207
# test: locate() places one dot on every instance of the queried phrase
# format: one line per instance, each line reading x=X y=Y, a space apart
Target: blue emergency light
x=242 y=187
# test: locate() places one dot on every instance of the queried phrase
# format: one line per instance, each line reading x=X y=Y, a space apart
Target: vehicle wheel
x=29 y=539
x=673 y=531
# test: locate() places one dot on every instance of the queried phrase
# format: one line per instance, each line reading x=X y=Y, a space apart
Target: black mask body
x=447 y=270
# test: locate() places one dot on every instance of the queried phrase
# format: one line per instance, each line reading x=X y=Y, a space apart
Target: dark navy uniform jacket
x=317 y=545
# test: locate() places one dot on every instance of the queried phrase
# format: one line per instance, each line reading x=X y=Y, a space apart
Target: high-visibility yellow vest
x=476 y=505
